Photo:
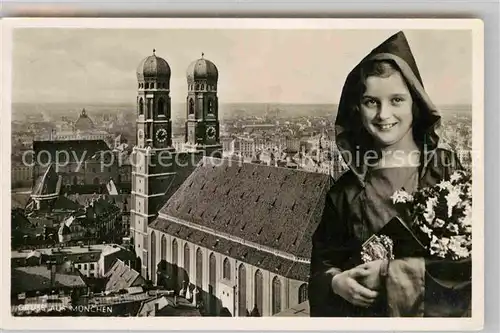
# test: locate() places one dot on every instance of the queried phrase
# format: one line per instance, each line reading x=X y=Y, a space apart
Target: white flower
x=452 y=199
x=445 y=185
x=401 y=197
x=456 y=176
x=439 y=246
x=457 y=246
x=429 y=213
x=426 y=230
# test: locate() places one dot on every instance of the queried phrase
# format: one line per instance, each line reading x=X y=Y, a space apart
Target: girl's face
x=386 y=109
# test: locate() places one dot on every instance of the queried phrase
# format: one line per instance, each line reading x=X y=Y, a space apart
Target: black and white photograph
x=273 y=168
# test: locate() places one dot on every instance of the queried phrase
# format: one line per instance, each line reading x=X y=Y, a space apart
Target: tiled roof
x=34 y=278
x=120 y=276
x=19 y=200
x=277 y=208
x=270 y=206
x=47 y=183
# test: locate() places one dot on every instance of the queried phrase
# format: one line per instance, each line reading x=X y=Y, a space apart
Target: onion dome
x=153 y=67
x=202 y=69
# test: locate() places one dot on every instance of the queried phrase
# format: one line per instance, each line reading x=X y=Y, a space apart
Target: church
x=236 y=236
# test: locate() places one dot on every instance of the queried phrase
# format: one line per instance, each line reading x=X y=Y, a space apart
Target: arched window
x=303 y=293
x=163 y=250
x=199 y=268
x=276 y=294
x=191 y=106
x=226 y=269
x=187 y=261
x=152 y=251
x=161 y=107
x=202 y=86
x=242 y=291
x=141 y=106
x=258 y=291
x=175 y=254
x=175 y=258
x=152 y=85
x=147 y=85
x=210 y=106
x=212 y=266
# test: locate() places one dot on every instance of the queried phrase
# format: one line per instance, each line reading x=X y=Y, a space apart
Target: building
x=240 y=234
x=158 y=169
x=89 y=260
x=45 y=287
x=122 y=276
x=21 y=176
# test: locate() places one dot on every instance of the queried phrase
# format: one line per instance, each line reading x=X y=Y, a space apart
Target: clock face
x=211 y=132
x=161 y=135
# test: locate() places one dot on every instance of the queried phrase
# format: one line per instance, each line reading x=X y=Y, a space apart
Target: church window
x=161 y=107
x=199 y=268
x=191 y=106
x=163 y=248
x=152 y=85
x=303 y=293
x=175 y=254
x=242 y=291
x=141 y=107
x=187 y=261
x=259 y=291
x=153 y=256
x=210 y=106
x=226 y=269
x=212 y=266
x=202 y=86
x=276 y=295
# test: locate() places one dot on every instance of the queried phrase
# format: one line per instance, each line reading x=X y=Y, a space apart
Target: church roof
x=153 y=67
x=252 y=209
x=48 y=183
x=78 y=150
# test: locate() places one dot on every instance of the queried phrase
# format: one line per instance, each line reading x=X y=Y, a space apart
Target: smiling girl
x=385 y=130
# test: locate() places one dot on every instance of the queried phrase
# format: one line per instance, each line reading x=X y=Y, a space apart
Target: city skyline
x=100 y=64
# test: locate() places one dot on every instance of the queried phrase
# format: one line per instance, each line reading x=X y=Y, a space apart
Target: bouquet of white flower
x=442 y=216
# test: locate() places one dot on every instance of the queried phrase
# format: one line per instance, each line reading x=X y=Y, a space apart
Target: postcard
x=305 y=174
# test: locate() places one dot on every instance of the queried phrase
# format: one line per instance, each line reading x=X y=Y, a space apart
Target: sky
x=267 y=66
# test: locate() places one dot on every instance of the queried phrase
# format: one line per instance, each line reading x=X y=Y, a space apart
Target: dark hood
x=351 y=137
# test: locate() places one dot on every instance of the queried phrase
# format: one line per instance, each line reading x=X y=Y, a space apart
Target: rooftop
x=239 y=208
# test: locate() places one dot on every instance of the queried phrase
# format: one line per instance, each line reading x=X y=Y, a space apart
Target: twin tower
x=153 y=181
x=154 y=126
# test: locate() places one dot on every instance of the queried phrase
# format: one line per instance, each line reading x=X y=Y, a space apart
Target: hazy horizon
x=255 y=66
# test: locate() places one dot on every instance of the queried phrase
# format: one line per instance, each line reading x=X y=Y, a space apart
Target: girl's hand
x=345 y=285
x=372 y=279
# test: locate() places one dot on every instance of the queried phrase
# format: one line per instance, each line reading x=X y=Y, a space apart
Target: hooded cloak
x=357 y=206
